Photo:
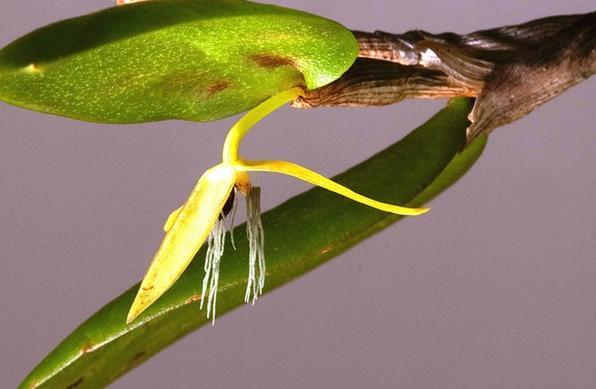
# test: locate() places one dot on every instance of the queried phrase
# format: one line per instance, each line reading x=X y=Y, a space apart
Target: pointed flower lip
x=186 y=230
x=188 y=227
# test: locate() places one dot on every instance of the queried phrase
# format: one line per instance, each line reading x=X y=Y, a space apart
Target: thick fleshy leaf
x=172 y=59
x=302 y=233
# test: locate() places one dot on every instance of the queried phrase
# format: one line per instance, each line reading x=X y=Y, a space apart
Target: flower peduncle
x=231 y=152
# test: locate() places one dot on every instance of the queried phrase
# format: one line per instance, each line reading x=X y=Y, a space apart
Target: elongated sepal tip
x=419 y=211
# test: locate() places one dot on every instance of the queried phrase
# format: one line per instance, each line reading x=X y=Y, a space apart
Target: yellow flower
x=201 y=219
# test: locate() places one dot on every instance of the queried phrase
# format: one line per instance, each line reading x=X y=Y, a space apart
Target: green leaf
x=302 y=233
x=172 y=59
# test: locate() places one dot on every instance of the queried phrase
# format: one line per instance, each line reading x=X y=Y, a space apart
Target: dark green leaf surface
x=302 y=233
x=172 y=59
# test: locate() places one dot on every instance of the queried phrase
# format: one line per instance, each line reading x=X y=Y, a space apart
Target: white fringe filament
x=256 y=242
x=232 y=217
x=215 y=250
x=256 y=254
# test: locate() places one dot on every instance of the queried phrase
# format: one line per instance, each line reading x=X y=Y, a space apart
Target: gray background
x=495 y=288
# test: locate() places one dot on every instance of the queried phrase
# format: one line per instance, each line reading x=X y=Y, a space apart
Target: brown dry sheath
x=510 y=70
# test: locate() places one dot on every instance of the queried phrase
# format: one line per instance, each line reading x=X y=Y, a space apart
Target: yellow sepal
x=304 y=174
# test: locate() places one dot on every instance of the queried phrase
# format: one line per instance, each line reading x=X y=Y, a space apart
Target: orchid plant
x=166 y=59
x=199 y=60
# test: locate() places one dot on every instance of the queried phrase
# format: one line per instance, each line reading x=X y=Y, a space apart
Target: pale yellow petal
x=185 y=235
x=304 y=174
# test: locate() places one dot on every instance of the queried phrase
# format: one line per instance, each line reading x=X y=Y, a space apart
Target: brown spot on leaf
x=217 y=87
x=326 y=249
x=271 y=61
x=135 y=360
x=146 y=288
x=192 y=299
x=137 y=356
x=87 y=348
x=75 y=384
